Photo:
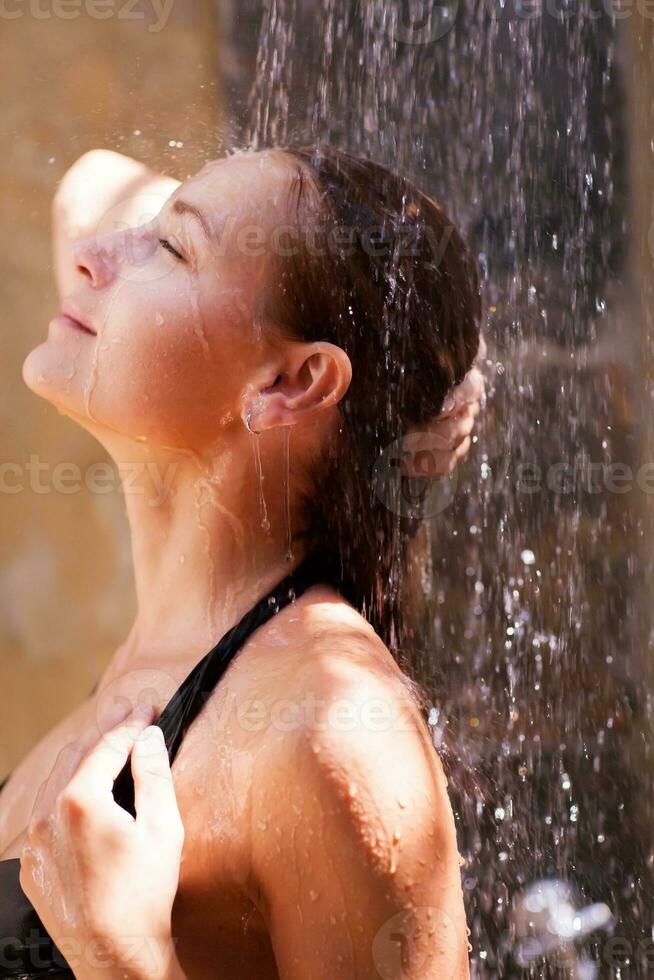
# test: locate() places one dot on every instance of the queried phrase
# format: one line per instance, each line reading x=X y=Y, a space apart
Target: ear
x=312 y=378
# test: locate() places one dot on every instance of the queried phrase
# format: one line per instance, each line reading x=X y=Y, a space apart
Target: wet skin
x=319 y=835
x=312 y=799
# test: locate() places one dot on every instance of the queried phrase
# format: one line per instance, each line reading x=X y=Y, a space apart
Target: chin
x=50 y=375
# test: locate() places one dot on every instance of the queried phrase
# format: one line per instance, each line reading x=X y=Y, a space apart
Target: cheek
x=171 y=370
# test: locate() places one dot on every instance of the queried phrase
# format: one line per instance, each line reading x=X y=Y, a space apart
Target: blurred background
x=534 y=124
x=150 y=88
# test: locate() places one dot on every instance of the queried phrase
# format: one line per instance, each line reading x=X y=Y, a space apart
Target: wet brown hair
x=386 y=276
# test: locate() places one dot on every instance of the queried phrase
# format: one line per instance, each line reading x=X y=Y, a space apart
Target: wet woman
x=245 y=358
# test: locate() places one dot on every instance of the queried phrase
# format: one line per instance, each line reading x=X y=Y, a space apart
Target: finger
x=464 y=434
x=66 y=765
x=460 y=454
x=154 y=793
x=471 y=388
x=97 y=772
x=448 y=433
x=462 y=451
x=483 y=350
x=459 y=439
x=448 y=407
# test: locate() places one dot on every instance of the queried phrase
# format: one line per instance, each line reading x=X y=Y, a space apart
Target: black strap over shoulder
x=189 y=699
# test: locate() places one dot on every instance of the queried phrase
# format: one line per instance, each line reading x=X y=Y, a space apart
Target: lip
x=75 y=321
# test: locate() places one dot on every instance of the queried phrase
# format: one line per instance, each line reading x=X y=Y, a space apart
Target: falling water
x=265 y=523
x=536 y=630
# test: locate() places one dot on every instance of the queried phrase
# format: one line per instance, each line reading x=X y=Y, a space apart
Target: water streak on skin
x=210 y=483
x=265 y=523
x=89 y=388
x=198 y=325
x=73 y=369
x=204 y=485
x=287 y=493
x=238 y=530
x=199 y=486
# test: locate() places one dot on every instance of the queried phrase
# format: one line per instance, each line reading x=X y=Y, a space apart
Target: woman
x=297 y=293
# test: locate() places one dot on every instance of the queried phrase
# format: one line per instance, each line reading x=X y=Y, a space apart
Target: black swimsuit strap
x=189 y=699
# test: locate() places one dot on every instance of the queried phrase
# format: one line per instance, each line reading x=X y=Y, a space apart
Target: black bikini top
x=26 y=950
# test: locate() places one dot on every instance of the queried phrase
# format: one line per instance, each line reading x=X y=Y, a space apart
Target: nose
x=95 y=259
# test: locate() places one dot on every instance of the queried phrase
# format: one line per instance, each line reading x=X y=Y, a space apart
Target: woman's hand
x=102 y=882
x=450 y=433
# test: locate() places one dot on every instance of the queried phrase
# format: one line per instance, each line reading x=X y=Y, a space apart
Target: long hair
x=381 y=271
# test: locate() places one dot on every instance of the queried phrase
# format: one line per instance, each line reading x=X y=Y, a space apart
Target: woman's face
x=172 y=341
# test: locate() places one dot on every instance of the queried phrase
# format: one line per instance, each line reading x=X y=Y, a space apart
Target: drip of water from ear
x=265 y=523
x=287 y=491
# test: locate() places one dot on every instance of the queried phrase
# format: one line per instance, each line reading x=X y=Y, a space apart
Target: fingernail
x=151 y=732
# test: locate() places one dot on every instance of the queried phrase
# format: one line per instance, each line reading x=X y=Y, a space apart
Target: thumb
x=154 y=794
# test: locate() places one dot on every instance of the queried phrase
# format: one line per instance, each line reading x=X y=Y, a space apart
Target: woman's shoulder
x=342 y=714
x=321 y=623
x=349 y=797
x=321 y=650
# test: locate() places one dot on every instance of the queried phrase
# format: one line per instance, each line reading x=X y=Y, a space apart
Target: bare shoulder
x=352 y=734
x=322 y=626
x=337 y=677
x=350 y=803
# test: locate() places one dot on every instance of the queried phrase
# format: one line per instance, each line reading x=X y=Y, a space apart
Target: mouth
x=75 y=324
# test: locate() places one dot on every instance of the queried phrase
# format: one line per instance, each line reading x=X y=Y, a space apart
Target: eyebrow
x=183 y=207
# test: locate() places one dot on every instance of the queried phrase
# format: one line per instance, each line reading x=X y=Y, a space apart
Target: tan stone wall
x=69 y=85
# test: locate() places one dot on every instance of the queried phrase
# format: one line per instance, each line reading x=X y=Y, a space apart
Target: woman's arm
x=103 y=191
x=356 y=869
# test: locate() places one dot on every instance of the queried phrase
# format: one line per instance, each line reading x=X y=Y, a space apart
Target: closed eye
x=169 y=248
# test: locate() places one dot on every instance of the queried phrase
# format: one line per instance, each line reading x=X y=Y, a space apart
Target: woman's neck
x=201 y=556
